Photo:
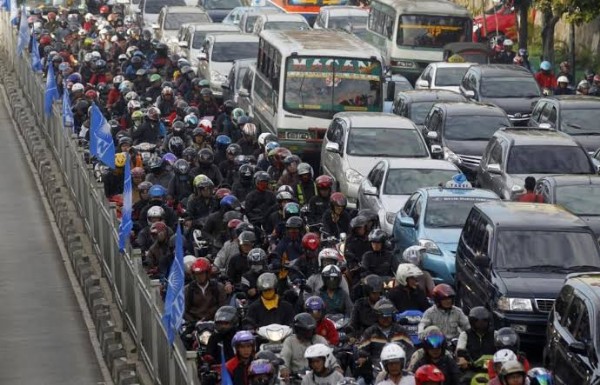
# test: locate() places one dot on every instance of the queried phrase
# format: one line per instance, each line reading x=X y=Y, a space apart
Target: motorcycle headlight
x=353 y=176
x=217 y=77
x=204 y=337
x=390 y=218
x=514 y=304
x=450 y=156
x=430 y=246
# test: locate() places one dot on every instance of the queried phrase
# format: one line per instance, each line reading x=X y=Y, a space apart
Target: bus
x=411 y=34
x=303 y=78
x=308 y=8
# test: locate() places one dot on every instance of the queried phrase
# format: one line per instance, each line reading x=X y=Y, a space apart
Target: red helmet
x=429 y=373
x=104 y=9
x=91 y=94
x=338 y=199
x=222 y=192
x=232 y=224
x=311 y=241
x=202 y=265
x=281 y=153
x=443 y=291
x=324 y=181
x=45 y=40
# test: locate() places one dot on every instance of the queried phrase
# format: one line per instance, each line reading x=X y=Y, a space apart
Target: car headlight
x=430 y=246
x=217 y=77
x=449 y=155
x=514 y=304
x=390 y=218
x=353 y=176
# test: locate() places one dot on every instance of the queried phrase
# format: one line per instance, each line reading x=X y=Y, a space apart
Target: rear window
x=548 y=160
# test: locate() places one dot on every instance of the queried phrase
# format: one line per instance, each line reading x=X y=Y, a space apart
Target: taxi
x=433 y=217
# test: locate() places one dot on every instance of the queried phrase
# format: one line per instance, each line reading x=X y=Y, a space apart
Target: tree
x=575 y=11
x=523 y=7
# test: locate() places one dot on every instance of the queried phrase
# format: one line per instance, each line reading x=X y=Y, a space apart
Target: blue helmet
x=157 y=191
x=74 y=78
x=545 y=65
x=230 y=202
x=223 y=141
x=314 y=303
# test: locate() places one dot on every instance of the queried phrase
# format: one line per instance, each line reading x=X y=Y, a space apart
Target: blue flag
x=174 y=301
x=36 y=61
x=6 y=5
x=162 y=129
x=101 y=141
x=225 y=376
x=126 y=222
x=14 y=12
x=51 y=90
x=24 y=34
x=67 y=111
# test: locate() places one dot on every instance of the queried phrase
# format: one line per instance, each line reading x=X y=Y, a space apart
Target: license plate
x=519 y=328
x=273 y=347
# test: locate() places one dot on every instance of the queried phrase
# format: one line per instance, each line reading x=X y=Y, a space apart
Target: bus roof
x=429 y=7
x=319 y=42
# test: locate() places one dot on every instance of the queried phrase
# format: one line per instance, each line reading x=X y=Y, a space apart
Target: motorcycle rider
x=392 y=360
x=475 y=342
x=238 y=264
x=289 y=248
x=507 y=338
x=407 y=295
x=500 y=357
x=243 y=186
x=203 y=296
x=357 y=243
x=325 y=327
x=261 y=372
x=259 y=200
x=257 y=261
x=238 y=366
x=319 y=203
x=157 y=195
x=290 y=173
x=270 y=308
x=159 y=172
x=379 y=260
x=512 y=373
x=321 y=371
x=415 y=255
x=327 y=257
x=429 y=375
x=562 y=86
x=434 y=352
x=306 y=188
x=336 y=220
x=230 y=247
x=202 y=202
x=363 y=312
x=449 y=318
x=226 y=326
x=180 y=186
x=335 y=298
x=205 y=166
x=544 y=77
x=216 y=223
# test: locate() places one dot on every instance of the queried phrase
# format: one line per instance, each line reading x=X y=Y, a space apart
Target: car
x=148 y=10
x=248 y=19
x=442 y=76
x=356 y=141
x=433 y=217
x=512 y=258
x=514 y=153
x=393 y=84
x=463 y=130
x=572 y=344
x=192 y=36
x=234 y=83
x=218 y=9
x=580 y=194
x=219 y=51
x=341 y=17
x=500 y=20
x=170 y=20
x=576 y=115
x=280 y=22
x=389 y=184
x=510 y=87
x=236 y=14
x=415 y=105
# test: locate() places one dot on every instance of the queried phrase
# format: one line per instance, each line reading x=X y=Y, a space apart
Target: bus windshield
x=322 y=86
x=432 y=31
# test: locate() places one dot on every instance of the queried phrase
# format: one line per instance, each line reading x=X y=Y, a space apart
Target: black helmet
x=189 y=154
x=369 y=214
x=377 y=235
x=507 y=338
x=228 y=106
x=178 y=127
x=244 y=226
x=479 y=313
x=358 y=221
x=226 y=314
x=181 y=167
x=247 y=238
x=332 y=277
x=384 y=308
x=372 y=284
x=261 y=176
x=156 y=163
x=206 y=156
x=294 y=223
x=176 y=145
x=125 y=140
x=234 y=149
x=305 y=325
x=232 y=214
x=246 y=172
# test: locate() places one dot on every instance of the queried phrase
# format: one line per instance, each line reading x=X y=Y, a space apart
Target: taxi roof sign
x=458 y=181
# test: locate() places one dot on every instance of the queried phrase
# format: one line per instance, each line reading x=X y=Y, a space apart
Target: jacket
x=381 y=263
x=335 y=228
x=149 y=132
x=238 y=370
x=374 y=339
x=446 y=364
x=338 y=303
x=332 y=377
x=404 y=298
x=293 y=350
x=451 y=322
x=283 y=314
x=257 y=204
x=472 y=345
x=229 y=249
x=326 y=329
x=213 y=348
x=202 y=303
x=363 y=316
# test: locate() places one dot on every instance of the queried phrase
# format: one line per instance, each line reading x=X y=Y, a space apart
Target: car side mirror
x=437 y=152
x=225 y=86
x=370 y=190
x=407 y=221
x=482 y=261
x=545 y=126
x=155 y=26
x=494 y=168
x=182 y=44
x=244 y=93
x=422 y=83
x=332 y=147
x=432 y=135
x=470 y=94
x=578 y=347
x=202 y=56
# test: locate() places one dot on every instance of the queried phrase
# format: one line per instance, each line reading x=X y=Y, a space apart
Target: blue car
x=434 y=217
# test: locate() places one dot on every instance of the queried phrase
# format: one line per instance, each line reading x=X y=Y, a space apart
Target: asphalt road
x=43 y=337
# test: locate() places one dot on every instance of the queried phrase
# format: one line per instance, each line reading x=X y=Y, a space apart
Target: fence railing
x=134 y=294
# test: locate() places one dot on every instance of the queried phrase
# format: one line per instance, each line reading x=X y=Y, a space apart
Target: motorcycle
x=273 y=334
x=202 y=247
x=195 y=335
x=480 y=367
x=343 y=352
x=410 y=320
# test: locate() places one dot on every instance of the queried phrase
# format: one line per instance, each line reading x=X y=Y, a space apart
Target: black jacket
x=199 y=208
x=238 y=265
x=335 y=228
x=408 y=299
x=149 y=132
x=283 y=314
x=213 y=348
x=381 y=263
x=211 y=171
x=478 y=345
x=257 y=204
x=363 y=316
x=446 y=364
x=356 y=247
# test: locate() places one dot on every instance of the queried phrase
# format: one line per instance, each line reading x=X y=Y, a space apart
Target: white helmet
x=392 y=352
x=414 y=254
x=155 y=212
x=405 y=271
x=88 y=16
x=188 y=261
x=504 y=355
x=562 y=79
x=317 y=351
x=508 y=43
x=262 y=138
x=328 y=253
x=77 y=87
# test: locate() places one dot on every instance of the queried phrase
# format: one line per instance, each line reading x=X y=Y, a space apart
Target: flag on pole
x=51 y=91
x=5 y=5
x=174 y=301
x=225 y=376
x=126 y=222
x=24 y=34
x=14 y=12
x=36 y=61
x=67 y=111
x=101 y=141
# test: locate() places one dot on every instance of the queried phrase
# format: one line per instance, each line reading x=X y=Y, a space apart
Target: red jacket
x=326 y=329
x=545 y=80
x=530 y=197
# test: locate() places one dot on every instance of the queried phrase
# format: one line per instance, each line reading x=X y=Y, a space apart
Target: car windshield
x=432 y=31
x=548 y=160
x=518 y=249
x=470 y=127
x=451 y=211
x=230 y=51
x=419 y=111
x=579 y=199
x=376 y=142
x=154 y=6
x=404 y=181
x=285 y=26
x=174 y=20
x=343 y=22
x=580 y=121
x=505 y=87
x=222 y=4
x=449 y=76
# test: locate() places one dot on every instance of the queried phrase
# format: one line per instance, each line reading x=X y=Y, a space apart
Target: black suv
x=510 y=87
x=517 y=152
x=415 y=105
x=572 y=344
x=513 y=257
x=463 y=130
x=576 y=115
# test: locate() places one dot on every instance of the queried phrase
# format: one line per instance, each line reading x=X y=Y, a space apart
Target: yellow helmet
x=456 y=58
x=120 y=159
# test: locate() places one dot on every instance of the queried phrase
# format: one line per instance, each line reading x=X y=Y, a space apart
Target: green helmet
x=204 y=83
x=236 y=114
x=155 y=78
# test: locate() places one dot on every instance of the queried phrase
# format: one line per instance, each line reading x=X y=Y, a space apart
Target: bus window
x=431 y=31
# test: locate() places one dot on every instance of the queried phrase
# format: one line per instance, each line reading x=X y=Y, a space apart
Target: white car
x=219 y=51
x=442 y=76
x=390 y=183
x=191 y=38
x=170 y=19
x=280 y=22
x=341 y=17
x=356 y=141
x=236 y=14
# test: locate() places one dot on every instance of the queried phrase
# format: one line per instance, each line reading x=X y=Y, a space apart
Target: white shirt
x=405 y=380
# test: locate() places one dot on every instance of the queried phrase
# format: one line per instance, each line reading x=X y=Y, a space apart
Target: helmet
x=233 y=223
x=510 y=367
x=157 y=191
x=479 y=313
x=206 y=156
x=265 y=138
x=234 y=149
x=228 y=106
x=314 y=303
x=202 y=265
x=443 y=291
x=324 y=181
x=285 y=187
x=156 y=212
x=456 y=58
x=405 y=271
x=283 y=195
x=429 y=373
x=77 y=87
x=222 y=193
x=507 y=43
x=332 y=276
x=433 y=338
x=223 y=141
x=377 y=236
x=261 y=176
x=247 y=238
x=257 y=256
x=372 y=283
x=144 y=186
x=583 y=84
x=189 y=154
x=227 y=314
x=270 y=146
x=545 y=65
x=246 y=171
x=266 y=281
x=178 y=127
x=414 y=254
x=176 y=145
x=291 y=209
x=242 y=227
x=304 y=325
x=138 y=172
x=338 y=199
x=384 y=308
x=249 y=129
x=181 y=166
x=294 y=222
x=236 y=114
x=311 y=241
x=540 y=376
x=358 y=221
x=120 y=159
x=507 y=338
x=262 y=367
x=202 y=181
x=229 y=203
x=562 y=79
x=241 y=337
x=392 y=353
x=328 y=253
x=305 y=169
x=169 y=158
x=318 y=351
x=153 y=113
x=205 y=125
x=188 y=261
x=504 y=355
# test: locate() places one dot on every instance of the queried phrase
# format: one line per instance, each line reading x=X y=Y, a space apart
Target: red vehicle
x=502 y=16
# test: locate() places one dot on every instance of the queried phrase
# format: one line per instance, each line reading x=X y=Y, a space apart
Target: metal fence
x=135 y=295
